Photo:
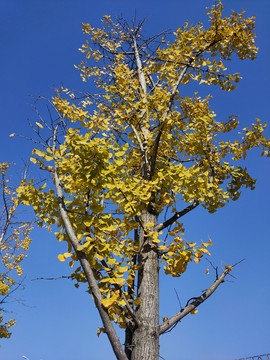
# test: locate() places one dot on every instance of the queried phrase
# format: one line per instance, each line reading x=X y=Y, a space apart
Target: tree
x=121 y=159
x=14 y=243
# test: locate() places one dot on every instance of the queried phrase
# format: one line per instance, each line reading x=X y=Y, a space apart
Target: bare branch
x=214 y=267
x=176 y=216
x=139 y=141
x=194 y=304
x=53 y=278
x=31 y=139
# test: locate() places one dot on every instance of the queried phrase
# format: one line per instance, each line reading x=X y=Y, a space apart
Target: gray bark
x=145 y=337
x=145 y=342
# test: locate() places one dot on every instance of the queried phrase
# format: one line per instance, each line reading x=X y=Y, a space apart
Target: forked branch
x=196 y=301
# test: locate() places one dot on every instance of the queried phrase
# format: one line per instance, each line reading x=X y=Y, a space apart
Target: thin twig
x=53 y=278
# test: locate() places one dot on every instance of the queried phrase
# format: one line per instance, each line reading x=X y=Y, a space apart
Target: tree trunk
x=145 y=340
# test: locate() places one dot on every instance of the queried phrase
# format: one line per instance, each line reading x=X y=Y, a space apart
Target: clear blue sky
x=40 y=41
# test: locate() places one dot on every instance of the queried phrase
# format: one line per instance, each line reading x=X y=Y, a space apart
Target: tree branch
x=176 y=216
x=155 y=151
x=156 y=145
x=140 y=145
x=129 y=308
x=143 y=144
x=109 y=328
x=194 y=304
x=139 y=67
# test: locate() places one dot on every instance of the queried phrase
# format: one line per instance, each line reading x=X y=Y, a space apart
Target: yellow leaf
x=119 y=162
x=107 y=302
x=38 y=152
x=119 y=281
x=101 y=330
x=99 y=257
x=112 y=228
x=88 y=223
x=11 y=135
x=194 y=311
x=110 y=301
x=207 y=271
x=61 y=257
x=137 y=302
x=123 y=269
x=81 y=247
x=39 y=125
x=196 y=260
x=164 y=319
x=33 y=160
x=111 y=261
x=228 y=267
x=205 y=251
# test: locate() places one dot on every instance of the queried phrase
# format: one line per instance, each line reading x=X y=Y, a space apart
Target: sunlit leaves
x=178 y=254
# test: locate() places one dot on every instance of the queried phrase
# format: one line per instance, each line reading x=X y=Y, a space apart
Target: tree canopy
x=125 y=163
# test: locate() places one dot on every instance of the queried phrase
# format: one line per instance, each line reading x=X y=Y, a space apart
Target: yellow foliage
x=142 y=145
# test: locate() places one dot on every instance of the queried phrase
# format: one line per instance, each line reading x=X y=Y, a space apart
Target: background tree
x=124 y=158
x=14 y=243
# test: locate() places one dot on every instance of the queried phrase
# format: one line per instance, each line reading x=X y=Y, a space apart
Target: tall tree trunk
x=145 y=340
